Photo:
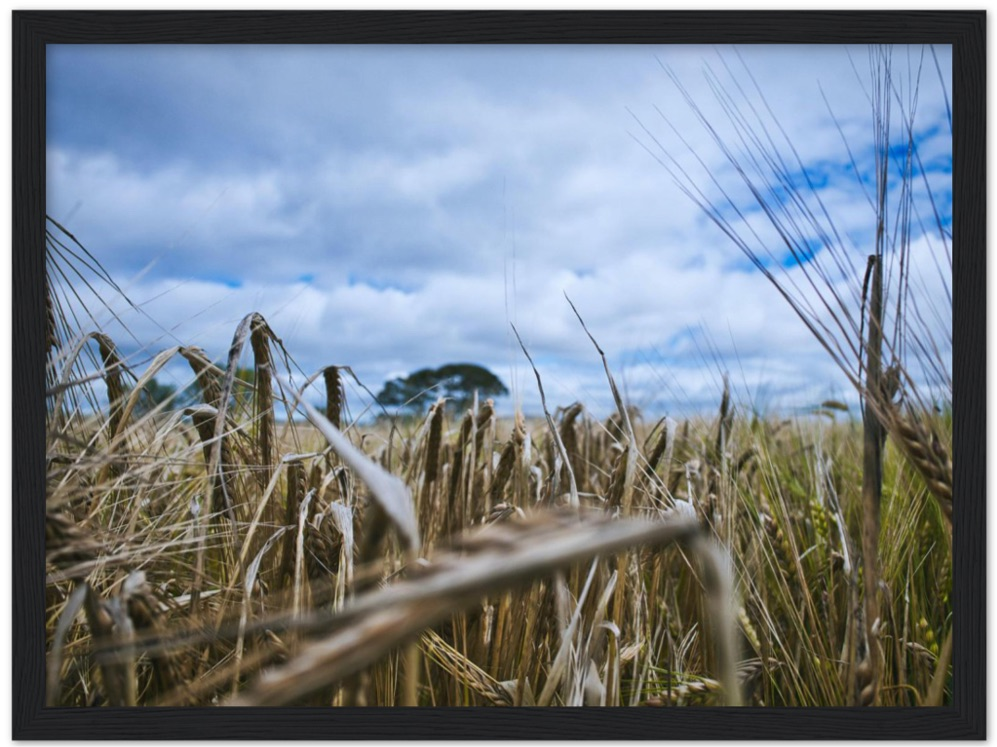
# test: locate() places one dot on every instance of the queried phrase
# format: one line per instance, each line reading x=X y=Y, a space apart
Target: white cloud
x=389 y=226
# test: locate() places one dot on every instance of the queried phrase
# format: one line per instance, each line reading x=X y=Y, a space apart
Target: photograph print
x=499 y=376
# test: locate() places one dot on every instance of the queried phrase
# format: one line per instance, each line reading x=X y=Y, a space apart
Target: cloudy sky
x=390 y=208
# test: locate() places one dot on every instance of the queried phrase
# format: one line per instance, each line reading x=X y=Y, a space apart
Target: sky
x=390 y=208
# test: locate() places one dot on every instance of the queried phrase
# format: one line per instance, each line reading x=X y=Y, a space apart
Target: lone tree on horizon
x=458 y=382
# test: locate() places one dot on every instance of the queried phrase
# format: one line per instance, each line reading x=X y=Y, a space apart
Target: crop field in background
x=198 y=558
x=251 y=548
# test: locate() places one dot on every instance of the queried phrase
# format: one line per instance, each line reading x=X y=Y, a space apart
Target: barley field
x=262 y=544
x=221 y=554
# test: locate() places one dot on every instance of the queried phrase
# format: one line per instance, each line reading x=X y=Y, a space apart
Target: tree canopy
x=456 y=381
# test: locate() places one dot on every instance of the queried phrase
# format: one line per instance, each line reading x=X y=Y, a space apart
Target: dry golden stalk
x=572 y=483
x=703 y=690
x=506 y=556
x=53 y=679
x=387 y=490
x=626 y=436
x=266 y=427
x=207 y=375
x=145 y=611
x=225 y=490
x=665 y=443
x=113 y=674
x=51 y=337
x=113 y=642
x=457 y=467
x=333 y=395
x=433 y=457
x=613 y=431
x=622 y=488
x=373 y=531
x=323 y=541
x=618 y=482
x=391 y=504
x=465 y=671
x=432 y=464
x=510 y=455
x=872 y=483
x=113 y=367
x=485 y=415
x=316 y=477
x=341 y=518
x=67 y=544
x=296 y=490
x=693 y=692
x=927 y=454
x=724 y=424
x=255 y=326
x=569 y=437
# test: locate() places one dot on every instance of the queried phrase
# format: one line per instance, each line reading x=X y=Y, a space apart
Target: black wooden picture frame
x=33 y=30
